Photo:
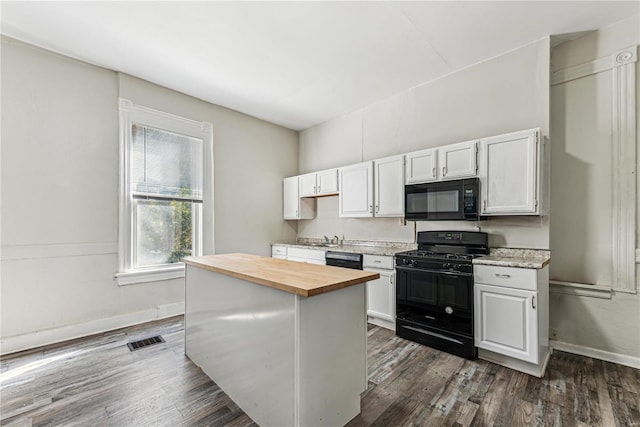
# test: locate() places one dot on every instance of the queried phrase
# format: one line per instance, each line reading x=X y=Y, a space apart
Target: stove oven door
x=436 y=309
x=449 y=293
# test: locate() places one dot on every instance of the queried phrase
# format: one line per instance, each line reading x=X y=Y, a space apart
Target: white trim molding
x=621 y=359
x=622 y=57
x=622 y=64
x=581 y=70
x=624 y=169
x=60 y=250
x=68 y=332
x=150 y=275
x=580 y=289
x=130 y=113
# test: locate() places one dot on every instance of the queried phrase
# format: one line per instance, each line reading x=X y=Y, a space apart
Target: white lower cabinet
x=312 y=256
x=381 y=293
x=507 y=321
x=511 y=316
x=279 y=252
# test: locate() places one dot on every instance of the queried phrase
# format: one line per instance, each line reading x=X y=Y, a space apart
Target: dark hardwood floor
x=97 y=381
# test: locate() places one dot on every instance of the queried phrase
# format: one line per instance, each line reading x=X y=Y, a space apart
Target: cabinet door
x=307 y=185
x=508 y=174
x=506 y=321
x=327 y=182
x=421 y=166
x=293 y=206
x=458 y=160
x=279 y=252
x=389 y=187
x=356 y=190
x=291 y=199
x=381 y=296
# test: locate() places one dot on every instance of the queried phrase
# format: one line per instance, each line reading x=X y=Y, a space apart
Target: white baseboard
x=621 y=359
x=63 y=333
x=516 y=364
x=382 y=323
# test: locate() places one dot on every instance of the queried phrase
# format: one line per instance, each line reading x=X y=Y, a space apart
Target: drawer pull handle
x=433 y=334
x=533 y=302
x=503 y=276
x=377 y=261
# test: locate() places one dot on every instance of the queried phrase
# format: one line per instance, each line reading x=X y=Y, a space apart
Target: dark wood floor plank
x=493 y=399
x=513 y=395
x=98 y=381
x=523 y=415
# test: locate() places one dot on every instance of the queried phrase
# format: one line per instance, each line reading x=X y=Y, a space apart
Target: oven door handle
x=427 y=270
x=433 y=334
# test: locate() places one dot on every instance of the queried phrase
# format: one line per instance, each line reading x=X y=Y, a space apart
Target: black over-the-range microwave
x=444 y=200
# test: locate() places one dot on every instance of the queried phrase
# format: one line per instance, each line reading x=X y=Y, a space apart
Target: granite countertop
x=520 y=258
x=352 y=246
x=298 y=278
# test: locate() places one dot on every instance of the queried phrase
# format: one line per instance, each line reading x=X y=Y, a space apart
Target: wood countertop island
x=285 y=340
x=295 y=277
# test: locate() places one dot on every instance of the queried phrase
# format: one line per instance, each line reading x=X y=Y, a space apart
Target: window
x=165 y=178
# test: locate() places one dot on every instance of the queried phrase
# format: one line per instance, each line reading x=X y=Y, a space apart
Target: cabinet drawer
x=510 y=277
x=308 y=254
x=377 y=261
x=278 y=250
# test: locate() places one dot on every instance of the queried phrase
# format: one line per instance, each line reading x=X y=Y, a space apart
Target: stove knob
x=447 y=265
x=456 y=267
x=414 y=263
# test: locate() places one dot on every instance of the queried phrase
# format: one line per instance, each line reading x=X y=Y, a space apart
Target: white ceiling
x=296 y=63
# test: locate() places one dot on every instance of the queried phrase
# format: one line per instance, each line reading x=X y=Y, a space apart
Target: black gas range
x=434 y=290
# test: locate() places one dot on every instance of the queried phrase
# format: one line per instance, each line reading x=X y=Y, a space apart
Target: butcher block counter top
x=290 y=276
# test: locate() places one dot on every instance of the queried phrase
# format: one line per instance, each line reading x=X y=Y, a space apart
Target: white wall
x=251 y=157
x=582 y=186
x=60 y=201
x=504 y=94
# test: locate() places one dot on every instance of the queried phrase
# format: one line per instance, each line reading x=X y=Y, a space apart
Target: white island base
x=285 y=359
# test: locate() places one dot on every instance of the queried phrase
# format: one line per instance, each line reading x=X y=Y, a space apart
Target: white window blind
x=165 y=165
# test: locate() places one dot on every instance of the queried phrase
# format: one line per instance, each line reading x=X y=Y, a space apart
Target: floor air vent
x=137 y=345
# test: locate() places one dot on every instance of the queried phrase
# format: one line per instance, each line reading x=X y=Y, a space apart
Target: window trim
x=129 y=113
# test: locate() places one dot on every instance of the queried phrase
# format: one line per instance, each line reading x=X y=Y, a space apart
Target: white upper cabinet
x=421 y=166
x=294 y=206
x=319 y=183
x=458 y=160
x=307 y=185
x=363 y=196
x=509 y=174
x=448 y=162
x=389 y=187
x=356 y=190
x=327 y=182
